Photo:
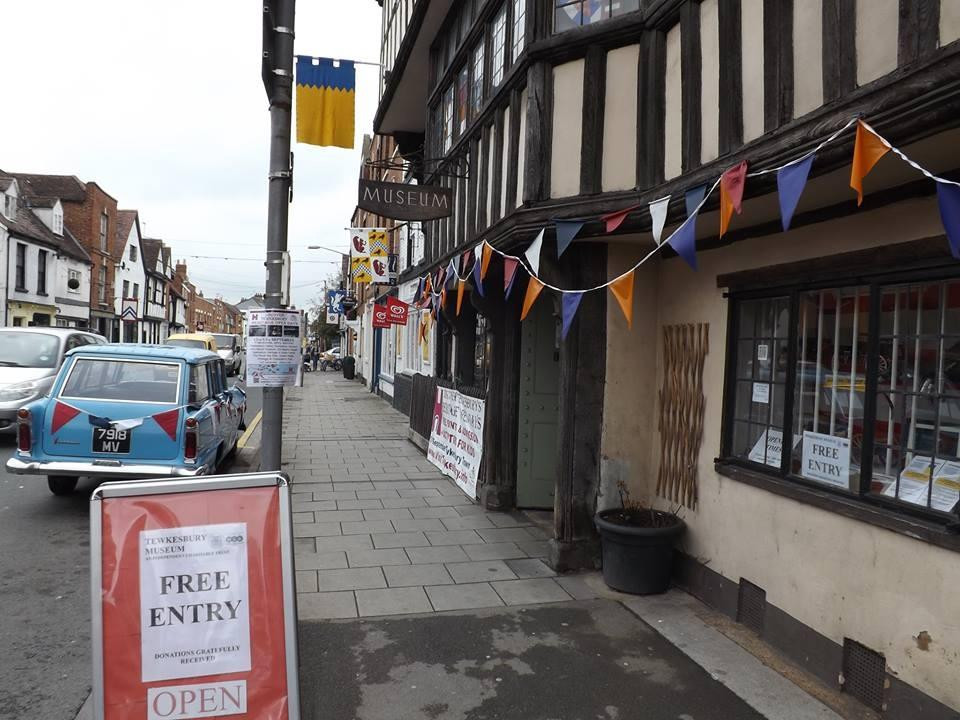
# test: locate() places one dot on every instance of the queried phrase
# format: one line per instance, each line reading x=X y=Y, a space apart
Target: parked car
x=203 y=341
x=230 y=348
x=29 y=360
x=130 y=411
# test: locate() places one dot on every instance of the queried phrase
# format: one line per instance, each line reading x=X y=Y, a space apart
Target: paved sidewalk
x=379 y=531
x=416 y=604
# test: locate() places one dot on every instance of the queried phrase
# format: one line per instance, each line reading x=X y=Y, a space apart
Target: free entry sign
x=193 y=599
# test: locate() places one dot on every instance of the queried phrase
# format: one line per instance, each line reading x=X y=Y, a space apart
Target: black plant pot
x=637 y=560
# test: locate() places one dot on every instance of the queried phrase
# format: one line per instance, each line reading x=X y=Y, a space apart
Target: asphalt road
x=44 y=593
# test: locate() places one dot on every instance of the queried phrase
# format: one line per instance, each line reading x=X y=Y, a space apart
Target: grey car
x=29 y=360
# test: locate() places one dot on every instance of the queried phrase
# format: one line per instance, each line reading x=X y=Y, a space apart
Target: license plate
x=111 y=440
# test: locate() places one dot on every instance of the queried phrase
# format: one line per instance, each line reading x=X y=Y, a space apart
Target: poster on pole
x=456 y=437
x=193 y=599
x=273 y=347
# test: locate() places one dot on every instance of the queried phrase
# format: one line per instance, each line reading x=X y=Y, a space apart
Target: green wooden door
x=539 y=389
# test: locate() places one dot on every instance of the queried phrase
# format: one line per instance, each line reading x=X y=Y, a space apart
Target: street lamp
x=321 y=247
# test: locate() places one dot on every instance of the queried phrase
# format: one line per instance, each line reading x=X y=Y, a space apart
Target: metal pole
x=281 y=103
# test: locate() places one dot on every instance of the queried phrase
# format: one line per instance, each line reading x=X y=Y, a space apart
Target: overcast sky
x=162 y=104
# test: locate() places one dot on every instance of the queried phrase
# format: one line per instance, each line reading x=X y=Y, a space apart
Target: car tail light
x=24 y=435
x=190 y=440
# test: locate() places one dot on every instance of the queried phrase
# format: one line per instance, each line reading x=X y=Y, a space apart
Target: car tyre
x=61 y=485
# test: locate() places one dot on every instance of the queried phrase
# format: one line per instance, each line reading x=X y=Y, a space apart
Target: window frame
x=861 y=502
x=20 y=278
x=104 y=230
x=42 y=272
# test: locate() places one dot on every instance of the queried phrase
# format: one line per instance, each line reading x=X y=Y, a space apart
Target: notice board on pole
x=193 y=599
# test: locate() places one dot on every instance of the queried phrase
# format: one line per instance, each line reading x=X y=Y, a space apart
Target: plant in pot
x=637 y=545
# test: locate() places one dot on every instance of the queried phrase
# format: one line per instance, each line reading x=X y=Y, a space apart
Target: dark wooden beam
x=591 y=141
x=731 y=77
x=777 y=63
x=536 y=166
x=919 y=30
x=839 y=48
x=692 y=79
x=651 y=87
x=583 y=360
x=474 y=189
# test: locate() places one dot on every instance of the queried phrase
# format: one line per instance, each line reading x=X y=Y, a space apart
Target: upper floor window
x=447 y=134
x=104 y=227
x=58 y=223
x=133 y=253
x=463 y=99
x=519 y=27
x=871 y=405
x=126 y=289
x=21 y=276
x=574 y=13
x=42 y=272
x=102 y=284
x=10 y=206
x=136 y=290
x=499 y=38
x=477 y=63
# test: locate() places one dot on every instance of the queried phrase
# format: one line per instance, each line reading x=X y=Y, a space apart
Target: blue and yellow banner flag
x=325 y=101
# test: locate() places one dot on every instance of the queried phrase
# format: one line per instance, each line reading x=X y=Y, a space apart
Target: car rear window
x=188 y=343
x=125 y=380
x=224 y=342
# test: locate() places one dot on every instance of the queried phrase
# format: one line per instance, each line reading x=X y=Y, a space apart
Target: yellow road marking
x=242 y=442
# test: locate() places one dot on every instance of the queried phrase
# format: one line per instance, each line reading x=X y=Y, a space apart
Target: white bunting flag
x=533 y=253
x=127 y=424
x=658 y=215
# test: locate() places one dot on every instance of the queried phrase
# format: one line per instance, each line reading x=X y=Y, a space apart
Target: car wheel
x=62 y=484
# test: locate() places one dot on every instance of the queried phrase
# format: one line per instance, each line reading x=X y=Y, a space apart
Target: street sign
x=400 y=201
x=348 y=303
x=193 y=599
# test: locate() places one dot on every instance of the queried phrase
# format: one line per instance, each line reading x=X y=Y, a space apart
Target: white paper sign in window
x=826 y=459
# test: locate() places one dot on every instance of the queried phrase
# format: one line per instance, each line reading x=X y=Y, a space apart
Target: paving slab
x=442 y=554
x=494 y=551
x=530 y=592
x=396 y=540
x=463 y=597
x=402 y=576
x=377 y=558
x=326 y=605
x=530 y=568
x=568 y=661
x=392 y=601
x=471 y=572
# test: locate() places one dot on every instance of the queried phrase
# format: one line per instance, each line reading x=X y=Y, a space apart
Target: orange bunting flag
x=867 y=151
x=533 y=290
x=443 y=298
x=460 y=285
x=485 y=263
x=622 y=290
x=731 y=194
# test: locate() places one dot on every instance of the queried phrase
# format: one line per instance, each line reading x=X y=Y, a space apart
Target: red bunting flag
x=731 y=194
x=62 y=414
x=615 y=219
x=509 y=272
x=867 y=151
x=168 y=422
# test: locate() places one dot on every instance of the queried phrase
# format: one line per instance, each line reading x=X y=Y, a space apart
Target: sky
x=162 y=104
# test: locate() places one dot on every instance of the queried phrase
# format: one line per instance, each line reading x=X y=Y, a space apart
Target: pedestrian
x=314 y=356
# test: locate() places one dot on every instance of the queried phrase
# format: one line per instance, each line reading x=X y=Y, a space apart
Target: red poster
x=397 y=311
x=381 y=316
x=194 y=603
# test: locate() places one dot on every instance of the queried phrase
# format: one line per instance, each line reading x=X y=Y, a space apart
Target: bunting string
x=529 y=259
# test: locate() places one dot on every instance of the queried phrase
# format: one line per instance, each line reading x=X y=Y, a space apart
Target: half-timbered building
x=846 y=326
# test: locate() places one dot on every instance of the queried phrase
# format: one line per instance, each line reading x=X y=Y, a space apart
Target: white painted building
x=155 y=299
x=131 y=277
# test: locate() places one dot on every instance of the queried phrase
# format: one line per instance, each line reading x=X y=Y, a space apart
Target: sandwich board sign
x=193 y=599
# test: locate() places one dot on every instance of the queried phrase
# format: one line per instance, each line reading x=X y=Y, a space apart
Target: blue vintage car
x=130 y=411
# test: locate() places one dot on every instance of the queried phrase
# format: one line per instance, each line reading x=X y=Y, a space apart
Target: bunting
x=478 y=277
x=62 y=414
x=684 y=240
x=731 y=194
x=622 y=289
x=534 y=287
x=791 y=179
x=485 y=263
x=461 y=284
x=658 y=217
x=533 y=253
x=867 y=151
x=509 y=274
x=566 y=231
x=948 y=200
x=571 y=301
x=693 y=198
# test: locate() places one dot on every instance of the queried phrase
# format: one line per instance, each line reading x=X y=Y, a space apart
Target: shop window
x=865 y=380
x=447 y=136
x=574 y=13
x=463 y=99
x=477 y=92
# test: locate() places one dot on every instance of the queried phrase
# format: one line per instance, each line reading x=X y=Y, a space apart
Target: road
x=44 y=593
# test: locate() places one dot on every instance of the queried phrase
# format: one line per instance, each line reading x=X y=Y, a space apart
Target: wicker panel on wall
x=685 y=349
